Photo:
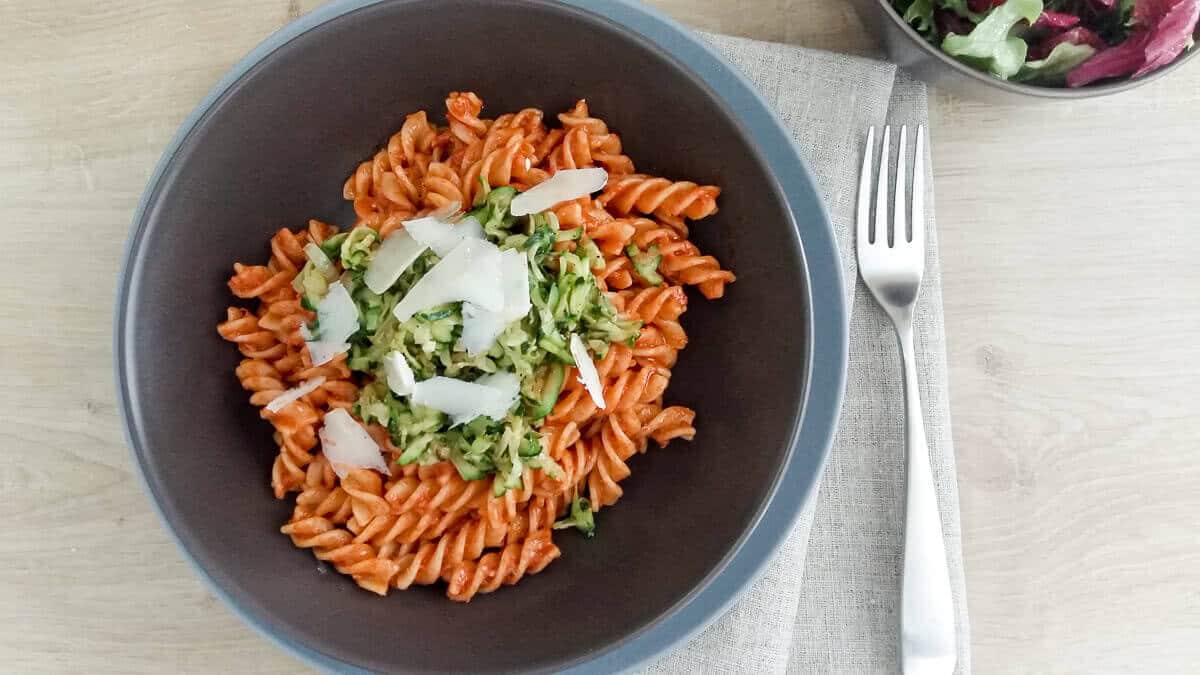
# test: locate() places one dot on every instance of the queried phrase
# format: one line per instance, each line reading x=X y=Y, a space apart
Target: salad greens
x=1057 y=42
x=1054 y=68
x=990 y=45
x=565 y=299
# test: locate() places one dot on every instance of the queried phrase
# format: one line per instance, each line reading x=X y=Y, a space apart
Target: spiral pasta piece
x=574 y=403
x=316 y=532
x=438 y=559
x=528 y=120
x=539 y=516
x=606 y=151
x=437 y=486
x=612 y=448
x=332 y=504
x=544 y=147
x=380 y=188
x=462 y=112
x=580 y=117
x=257 y=281
x=685 y=265
x=503 y=509
x=673 y=422
x=611 y=236
x=284 y=318
x=516 y=560
x=387 y=532
x=604 y=147
x=241 y=328
x=616 y=274
x=442 y=186
x=660 y=307
x=574 y=152
x=561 y=442
x=498 y=166
x=665 y=198
x=261 y=377
x=682 y=262
x=652 y=348
x=413 y=143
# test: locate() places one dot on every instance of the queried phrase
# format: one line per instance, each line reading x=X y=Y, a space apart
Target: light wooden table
x=1069 y=242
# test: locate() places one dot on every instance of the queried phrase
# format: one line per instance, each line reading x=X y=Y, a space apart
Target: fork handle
x=927 y=640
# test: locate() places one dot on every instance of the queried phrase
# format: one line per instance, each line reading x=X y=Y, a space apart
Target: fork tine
x=881 y=191
x=863 y=219
x=899 y=212
x=918 y=194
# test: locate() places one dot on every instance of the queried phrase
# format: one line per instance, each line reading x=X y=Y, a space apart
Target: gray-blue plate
x=269 y=148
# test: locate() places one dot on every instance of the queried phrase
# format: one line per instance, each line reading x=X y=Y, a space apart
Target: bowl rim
x=814 y=423
x=1020 y=89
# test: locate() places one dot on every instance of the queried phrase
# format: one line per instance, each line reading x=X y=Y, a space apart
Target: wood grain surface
x=1069 y=242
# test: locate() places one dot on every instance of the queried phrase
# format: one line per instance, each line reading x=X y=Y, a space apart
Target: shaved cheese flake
x=337 y=318
x=502 y=380
x=348 y=446
x=469 y=273
x=470 y=228
x=320 y=261
x=447 y=211
x=563 y=186
x=514 y=280
x=507 y=387
x=491 y=396
x=337 y=315
x=295 y=394
x=392 y=257
x=400 y=378
x=323 y=351
x=588 y=376
x=441 y=235
x=481 y=327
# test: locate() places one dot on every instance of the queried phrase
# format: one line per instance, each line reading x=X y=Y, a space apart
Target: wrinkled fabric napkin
x=830 y=601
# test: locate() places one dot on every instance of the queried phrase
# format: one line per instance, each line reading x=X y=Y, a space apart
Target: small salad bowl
x=1153 y=46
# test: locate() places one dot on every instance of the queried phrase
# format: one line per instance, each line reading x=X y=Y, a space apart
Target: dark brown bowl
x=270 y=147
x=905 y=46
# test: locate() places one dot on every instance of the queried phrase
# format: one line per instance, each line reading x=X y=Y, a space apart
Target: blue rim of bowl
x=811 y=435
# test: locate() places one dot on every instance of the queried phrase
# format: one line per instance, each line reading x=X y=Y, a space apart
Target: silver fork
x=892 y=270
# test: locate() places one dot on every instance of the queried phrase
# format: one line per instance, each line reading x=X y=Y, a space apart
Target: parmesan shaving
x=393 y=256
x=400 y=377
x=563 y=186
x=490 y=396
x=440 y=234
x=337 y=320
x=481 y=327
x=348 y=446
x=295 y=394
x=469 y=273
x=588 y=376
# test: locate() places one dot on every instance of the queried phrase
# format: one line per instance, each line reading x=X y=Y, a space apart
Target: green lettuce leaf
x=991 y=45
x=919 y=15
x=1054 y=68
x=961 y=8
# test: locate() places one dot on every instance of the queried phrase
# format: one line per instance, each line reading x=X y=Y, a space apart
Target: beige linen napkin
x=829 y=602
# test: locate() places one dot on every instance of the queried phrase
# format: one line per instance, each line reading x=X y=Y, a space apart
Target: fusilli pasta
x=426 y=521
